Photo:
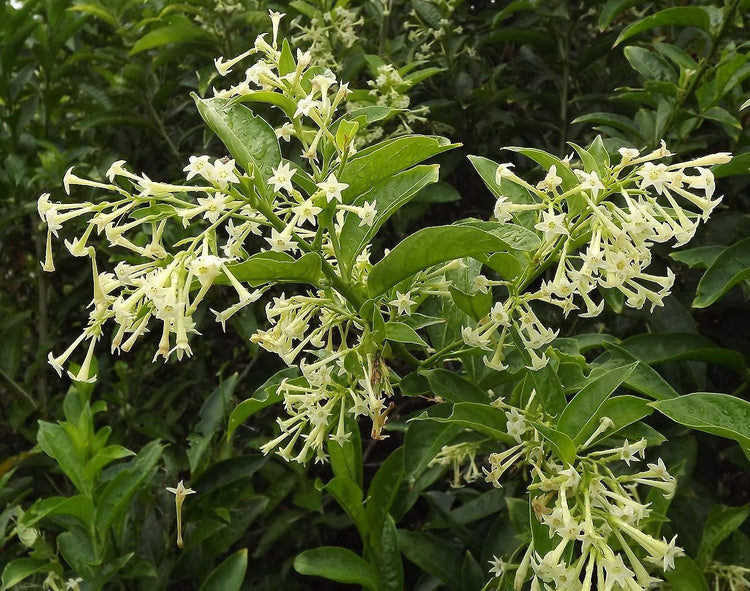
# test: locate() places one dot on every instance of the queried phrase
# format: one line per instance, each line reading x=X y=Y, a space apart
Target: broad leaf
x=728 y=269
x=278 y=267
x=428 y=247
x=720 y=414
x=685 y=16
x=337 y=564
x=229 y=575
x=250 y=140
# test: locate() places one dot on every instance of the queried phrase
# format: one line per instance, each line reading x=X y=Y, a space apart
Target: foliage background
x=89 y=83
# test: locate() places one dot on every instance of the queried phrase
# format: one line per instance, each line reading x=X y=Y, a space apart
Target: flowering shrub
x=451 y=336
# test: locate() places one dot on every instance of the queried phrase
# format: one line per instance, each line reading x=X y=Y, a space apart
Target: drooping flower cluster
x=597 y=227
x=591 y=508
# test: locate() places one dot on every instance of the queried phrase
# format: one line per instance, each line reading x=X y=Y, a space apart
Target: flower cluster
x=328 y=33
x=597 y=228
x=591 y=509
x=275 y=211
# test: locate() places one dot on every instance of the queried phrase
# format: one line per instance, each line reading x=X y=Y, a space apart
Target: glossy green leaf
x=434 y=555
x=402 y=333
x=563 y=446
x=656 y=348
x=114 y=500
x=278 y=267
x=349 y=497
x=428 y=247
x=448 y=385
x=264 y=396
x=229 y=575
x=686 y=576
x=515 y=235
x=720 y=414
x=179 y=33
x=700 y=257
x=57 y=443
x=20 y=568
x=212 y=416
x=728 y=269
x=612 y=9
x=391 y=567
x=683 y=16
x=649 y=65
x=546 y=161
x=268 y=97
x=482 y=418
x=475 y=305
x=389 y=195
x=586 y=403
x=644 y=379
x=720 y=524
x=336 y=564
x=621 y=410
x=249 y=139
x=614 y=120
x=382 y=492
x=387 y=158
x=346 y=458
x=422 y=442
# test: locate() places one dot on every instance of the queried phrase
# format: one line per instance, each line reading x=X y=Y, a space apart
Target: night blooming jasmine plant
x=458 y=314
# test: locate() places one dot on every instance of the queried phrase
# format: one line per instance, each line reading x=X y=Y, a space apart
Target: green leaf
x=685 y=16
x=622 y=410
x=402 y=333
x=476 y=305
x=387 y=158
x=433 y=555
x=586 y=403
x=451 y=386
x=644 y=379
x=612 y=9
x=277 y=267
x=250 y=140
x=336 y=564
x=656 y=348
x=346 y=458
x=612 y=120
x=270 y=98
x=57 y=443
x=546 y=161
x=180 y=33
x=516 y=236
x=479 y=417
x=114 y=500
x=701 y=257
x=428 y=247
x=229 y=575
x=563 y=446
x=391 y=568
x=95 y=10
x=382 y=492
x=422 y=442
x=649 y=65
x=720 y=523
x=728 y=269
x=266 y=395
x=719 y=414
x=686 y=576
x=389 y=195
x=349 y=496
x=212 y=414
x=20 y=568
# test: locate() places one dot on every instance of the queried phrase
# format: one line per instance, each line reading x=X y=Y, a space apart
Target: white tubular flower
x=552 y=225
x=503 y=171
x=285 y=132
x=199 y=165
x=590 y=181
x=403 y=303
x=179 y=498
x=307 y=212
x=305 y=105
x=367 y=213
x=474 y=338
x=223 y=173
x=551 y=180
x=280 y=241
x=206 y=268
x=282 y=177
x=275 y=20
x=225 y=67
x=656 y=176
x=332 y=188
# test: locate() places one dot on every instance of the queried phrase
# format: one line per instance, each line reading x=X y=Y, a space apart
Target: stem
x=434 y=357
x=42 y=328
x=161 y=128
